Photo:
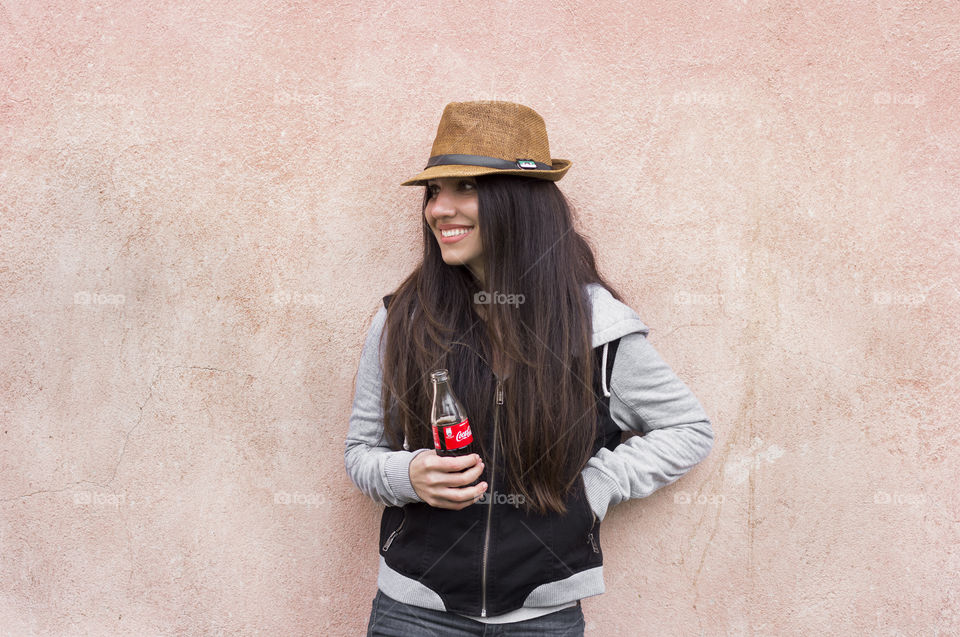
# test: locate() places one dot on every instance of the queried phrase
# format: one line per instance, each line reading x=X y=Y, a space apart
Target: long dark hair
x=531 y=249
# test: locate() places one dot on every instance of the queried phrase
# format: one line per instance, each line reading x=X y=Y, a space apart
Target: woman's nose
x=443 y=205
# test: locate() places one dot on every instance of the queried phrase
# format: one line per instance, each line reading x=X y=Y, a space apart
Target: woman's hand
x=439 y=482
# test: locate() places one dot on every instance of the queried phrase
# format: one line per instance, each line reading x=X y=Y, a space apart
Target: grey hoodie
x=646 y=397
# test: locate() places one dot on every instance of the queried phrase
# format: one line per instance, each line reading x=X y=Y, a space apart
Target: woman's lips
x=455 y=238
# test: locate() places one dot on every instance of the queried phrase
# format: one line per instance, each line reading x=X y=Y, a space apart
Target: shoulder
x=611 y=318
x=377 y=323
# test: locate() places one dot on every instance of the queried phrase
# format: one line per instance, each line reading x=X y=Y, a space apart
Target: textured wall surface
x=200 y=210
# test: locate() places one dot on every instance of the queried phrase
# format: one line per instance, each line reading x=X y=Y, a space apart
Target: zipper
x=590 y=539
x=493 y=471
x=386 y=545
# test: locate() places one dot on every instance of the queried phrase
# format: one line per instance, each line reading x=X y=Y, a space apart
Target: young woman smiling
x=551 y=384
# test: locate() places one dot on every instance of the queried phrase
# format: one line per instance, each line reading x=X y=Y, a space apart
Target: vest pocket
x=593 y=536
x=589 y=533
x=575 y=535
x=396 y=532
x=404 y=532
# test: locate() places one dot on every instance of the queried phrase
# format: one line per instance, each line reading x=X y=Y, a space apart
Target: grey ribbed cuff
x=601 y=490
x=396 y=470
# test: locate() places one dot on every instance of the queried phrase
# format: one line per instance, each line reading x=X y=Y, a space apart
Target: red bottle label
x=436 y=438
x=456 y=436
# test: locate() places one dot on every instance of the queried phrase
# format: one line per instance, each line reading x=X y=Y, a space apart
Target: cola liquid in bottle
x=448 y=419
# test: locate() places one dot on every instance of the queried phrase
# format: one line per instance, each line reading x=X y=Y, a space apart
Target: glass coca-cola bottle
x=449 y=422
x=448 y=419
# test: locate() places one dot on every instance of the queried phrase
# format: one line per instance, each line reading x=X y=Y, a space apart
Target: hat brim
x=460 y=170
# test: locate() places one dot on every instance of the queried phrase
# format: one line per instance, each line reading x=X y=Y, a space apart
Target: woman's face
x=452 y=210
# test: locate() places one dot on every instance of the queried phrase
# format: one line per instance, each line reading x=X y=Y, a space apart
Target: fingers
x=460 y=497
x=465 y=477
x=448 y=471
x=442 y=480
x=456 y=481
x=455 y=463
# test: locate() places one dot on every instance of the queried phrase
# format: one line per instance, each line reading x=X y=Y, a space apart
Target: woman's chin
x=450 y=259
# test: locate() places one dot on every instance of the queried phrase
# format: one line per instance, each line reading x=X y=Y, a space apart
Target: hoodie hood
x=611 y=318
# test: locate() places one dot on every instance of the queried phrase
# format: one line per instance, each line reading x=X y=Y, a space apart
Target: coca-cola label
x=436 y=439
x=458 y=435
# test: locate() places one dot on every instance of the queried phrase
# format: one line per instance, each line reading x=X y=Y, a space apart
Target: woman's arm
x=646 y=396
x=378 y=471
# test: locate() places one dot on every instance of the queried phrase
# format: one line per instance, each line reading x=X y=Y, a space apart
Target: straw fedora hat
x=490 y=136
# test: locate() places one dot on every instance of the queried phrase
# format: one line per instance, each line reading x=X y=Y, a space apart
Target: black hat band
x=487 y=162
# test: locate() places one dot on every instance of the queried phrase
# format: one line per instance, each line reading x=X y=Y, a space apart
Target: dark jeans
x=390 y=618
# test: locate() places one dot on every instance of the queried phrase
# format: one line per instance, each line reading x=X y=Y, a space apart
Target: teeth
x=456 y=232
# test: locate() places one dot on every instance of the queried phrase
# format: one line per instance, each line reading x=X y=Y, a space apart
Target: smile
x=454 y=235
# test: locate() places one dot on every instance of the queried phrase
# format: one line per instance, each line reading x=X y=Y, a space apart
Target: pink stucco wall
x=200 y=210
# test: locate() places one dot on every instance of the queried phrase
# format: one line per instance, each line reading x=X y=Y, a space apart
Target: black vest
x=444 y=549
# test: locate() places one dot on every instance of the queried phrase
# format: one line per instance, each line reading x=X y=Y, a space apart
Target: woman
x=551 y=368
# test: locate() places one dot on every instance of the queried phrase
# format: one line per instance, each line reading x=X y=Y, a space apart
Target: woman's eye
x=464 y=185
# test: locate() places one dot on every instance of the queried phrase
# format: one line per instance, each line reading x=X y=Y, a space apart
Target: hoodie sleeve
x=646 y=396
x=378 y=471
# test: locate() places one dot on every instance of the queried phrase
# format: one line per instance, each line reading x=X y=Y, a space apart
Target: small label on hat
x=526 y=163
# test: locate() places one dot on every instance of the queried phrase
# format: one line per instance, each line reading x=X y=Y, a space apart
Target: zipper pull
x=499 y=392
x=396 y=532
x=593 y=544
x=389 y=541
